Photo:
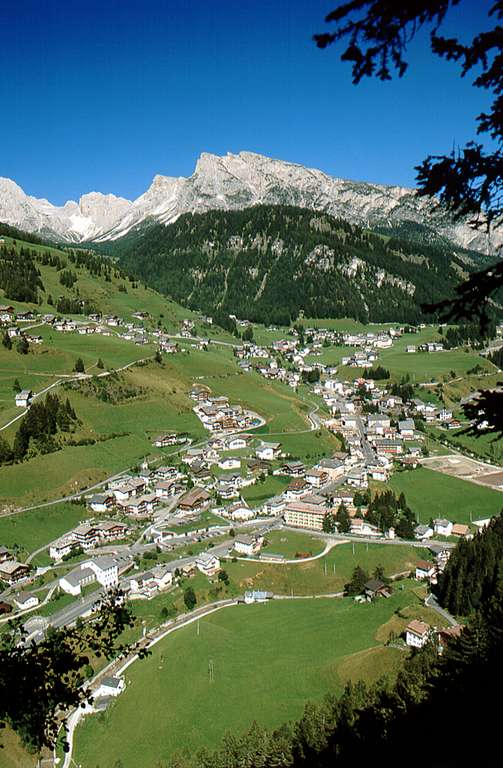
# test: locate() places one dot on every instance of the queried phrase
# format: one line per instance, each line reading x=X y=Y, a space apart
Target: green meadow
x=171 y=696
x=37 y=527
x=432 y=494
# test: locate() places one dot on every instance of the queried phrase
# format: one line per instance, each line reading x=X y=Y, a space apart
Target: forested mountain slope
x=270 y=263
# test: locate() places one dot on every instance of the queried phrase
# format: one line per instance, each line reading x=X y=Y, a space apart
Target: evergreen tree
x=79 y=365
x=343 y=519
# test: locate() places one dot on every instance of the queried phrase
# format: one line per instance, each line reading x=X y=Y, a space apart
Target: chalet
x=194 y=500
x=357 y=479
x=164 y=440
x=24 y=398
x=425 y=570
x=376 y=588
x=101 y=502
x=235 y=443
x=230 y=462
x=316 y=477
x=378 y=472
x=12 y=571
x=293 y=469
x=417 y=633
x=25 y=317
x=4 y=554
x=296 y=489
x=164 y=489
x=166 y=473
x=360 y=527
x=208 y=564
x=7 y=314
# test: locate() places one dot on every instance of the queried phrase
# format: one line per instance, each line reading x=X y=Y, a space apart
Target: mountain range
x=235 y=182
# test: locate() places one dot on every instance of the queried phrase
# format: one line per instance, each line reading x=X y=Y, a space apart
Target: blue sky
x=104 y=95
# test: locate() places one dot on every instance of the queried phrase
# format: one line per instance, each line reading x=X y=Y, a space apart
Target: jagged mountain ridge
x=234 y=182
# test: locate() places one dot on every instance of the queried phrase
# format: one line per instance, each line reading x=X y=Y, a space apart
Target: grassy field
x=432 y=494
x=31 y=530
x=326 y=575
x=252 y=649
x=290 y=543
x=256 y=494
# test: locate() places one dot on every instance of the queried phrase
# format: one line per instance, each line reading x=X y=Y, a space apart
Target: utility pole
x=211 y=671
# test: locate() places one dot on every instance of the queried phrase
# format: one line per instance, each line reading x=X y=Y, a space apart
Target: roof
x=205 y=558
x=442 y=521
x=11 y=566
x=417 y=627
x=23 y=597
x=425 y=565
x=374 y=585
x=104 y=562
x=112 y=682
x=75 y=578
x=458 y=529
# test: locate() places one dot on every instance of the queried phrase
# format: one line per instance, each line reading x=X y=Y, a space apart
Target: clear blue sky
x=104 y=95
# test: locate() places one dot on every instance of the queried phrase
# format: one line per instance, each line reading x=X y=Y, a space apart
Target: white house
x=257 y=596
x=442 y=526
x=423 y=532
x=25 y=600
x=105 y=569
x=268 y=451
x=24 y=398
x=235 y=443
x=208 y=564
x=248 y=545
x=424 y=570
x=62 y=547
x=73 y=582
x=230 y=462
x=417 y=633
x=110 y=686
x=406 y=429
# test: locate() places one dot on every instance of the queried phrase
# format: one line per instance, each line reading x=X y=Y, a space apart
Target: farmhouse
x=376 y=588
x=24 y=398
x=417 y=633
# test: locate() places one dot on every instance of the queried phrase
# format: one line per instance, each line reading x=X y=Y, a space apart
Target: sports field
x=235 y=666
